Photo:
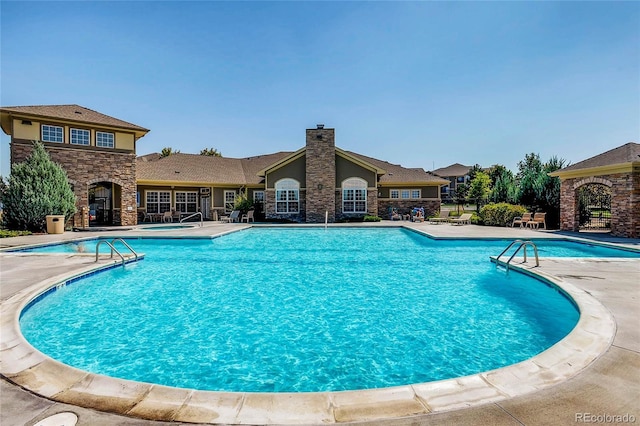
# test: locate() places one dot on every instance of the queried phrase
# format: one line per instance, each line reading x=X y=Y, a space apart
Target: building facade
x=98 y=153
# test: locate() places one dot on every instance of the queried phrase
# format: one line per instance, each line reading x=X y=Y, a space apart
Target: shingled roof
x=194 y=169
x=203 y=169
x=75 y=113
x=398 y=174
x=456 y=169
x=627 y=153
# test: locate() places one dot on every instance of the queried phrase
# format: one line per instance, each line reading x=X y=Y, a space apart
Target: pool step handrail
x=113 y=249
x=115 y=240
x=193 y=215
x=523 y=243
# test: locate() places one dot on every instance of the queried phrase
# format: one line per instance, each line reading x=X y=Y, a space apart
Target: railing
x=113 y=249
x=524 y=244
x=193 y=215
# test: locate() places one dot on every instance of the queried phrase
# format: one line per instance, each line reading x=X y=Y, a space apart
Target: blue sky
x=422 y=84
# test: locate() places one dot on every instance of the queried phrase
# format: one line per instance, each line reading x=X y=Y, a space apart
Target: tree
x=211 y=152
x=37 y=187
x=479 y=189
x=167 y=151
x=473 y=170
x=528 y=179
x=503 y=185
x=460 y=196
x=549 y=190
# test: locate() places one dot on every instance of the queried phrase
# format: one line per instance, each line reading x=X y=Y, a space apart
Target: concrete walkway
x=609 y=386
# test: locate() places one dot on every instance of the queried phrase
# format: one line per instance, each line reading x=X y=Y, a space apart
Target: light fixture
x=319 y=186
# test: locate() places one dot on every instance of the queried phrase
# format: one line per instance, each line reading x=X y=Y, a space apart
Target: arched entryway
x=594 y=207
x=104 y=203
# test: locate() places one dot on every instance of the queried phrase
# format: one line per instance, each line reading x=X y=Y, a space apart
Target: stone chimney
x=321 y=174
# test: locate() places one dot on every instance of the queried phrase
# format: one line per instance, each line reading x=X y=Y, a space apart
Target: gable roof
x=203 y=170
x=195 y=169
x=395 y=173
x=627 y=153
x=455 y=169
x=73 y=113
x=620 y=159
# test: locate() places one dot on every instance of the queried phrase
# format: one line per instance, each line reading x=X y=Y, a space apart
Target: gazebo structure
x=602 y=193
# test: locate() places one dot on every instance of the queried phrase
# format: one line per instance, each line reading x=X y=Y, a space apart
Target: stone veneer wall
x=625 y=202
x=321 y=175
x=372 y=205
x=431 y=207
x=86 y=166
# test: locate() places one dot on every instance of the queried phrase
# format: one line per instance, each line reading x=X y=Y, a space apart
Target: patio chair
x=538 y=219
x=442 y=217
x=167 y=216
x=248 y=217
x=464 y=219
x=234 y=216
x=522 y=221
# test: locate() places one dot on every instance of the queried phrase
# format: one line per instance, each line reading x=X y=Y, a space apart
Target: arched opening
x=354 y=195
x=594 y=207
x=104 y=204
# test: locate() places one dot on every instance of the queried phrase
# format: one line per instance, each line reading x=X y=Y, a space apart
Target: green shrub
x=243 y=203
x=368 y=218
x=500 y=214
x=6 y=234
x=37 y=187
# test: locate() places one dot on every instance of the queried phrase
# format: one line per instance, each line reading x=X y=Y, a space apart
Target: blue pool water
x=279 y=310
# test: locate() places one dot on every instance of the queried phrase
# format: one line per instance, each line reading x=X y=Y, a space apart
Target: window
x=287 y=196
x=405 y=194
x=138 y=198
x=80 y=137
x=258 y=199
x=52 y=133
x=415 y=193
x=187 y=202
x=395 y=193
x=229 y=201
x=354 y=195
x=158 y=201
x=104 y=139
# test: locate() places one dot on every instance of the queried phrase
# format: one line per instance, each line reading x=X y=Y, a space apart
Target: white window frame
x=416 y=194
x=105 y=139
x=229 y=201
x=79 y=137
x=186 y=201
x=287 y=196
x=157 y=201
x=394 y=193
x=354 y=195
x=405 y=194
x=52 y=133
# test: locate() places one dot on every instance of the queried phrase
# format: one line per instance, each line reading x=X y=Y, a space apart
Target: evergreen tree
x=529 y=180
x=167 y=151
x=211 y=152
x=37 y=187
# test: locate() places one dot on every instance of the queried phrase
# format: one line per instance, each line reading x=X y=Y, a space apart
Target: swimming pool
x=245 y=290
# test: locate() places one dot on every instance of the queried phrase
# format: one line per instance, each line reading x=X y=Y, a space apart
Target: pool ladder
x=523 y=243
x=113 y=249
x=194 y=215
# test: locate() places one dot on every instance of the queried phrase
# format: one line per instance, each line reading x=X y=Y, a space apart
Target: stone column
x=321 y=174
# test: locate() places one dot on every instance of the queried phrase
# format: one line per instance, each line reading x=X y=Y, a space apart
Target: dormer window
x=80 y=137
x=52 y=133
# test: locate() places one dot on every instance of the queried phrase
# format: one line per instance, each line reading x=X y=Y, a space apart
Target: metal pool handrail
x=113 y=249
x=195 y=214
x=524 y=244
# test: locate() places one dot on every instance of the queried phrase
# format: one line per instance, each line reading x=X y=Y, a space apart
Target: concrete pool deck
x=600 y=377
